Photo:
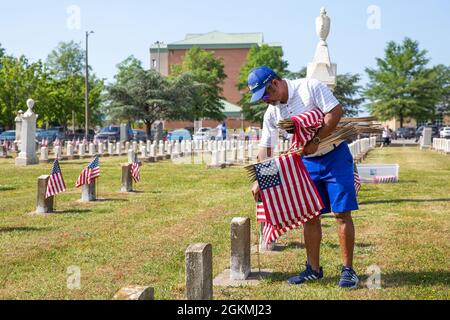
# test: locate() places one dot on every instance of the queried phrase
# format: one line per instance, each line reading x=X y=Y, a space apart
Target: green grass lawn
x=140 y=238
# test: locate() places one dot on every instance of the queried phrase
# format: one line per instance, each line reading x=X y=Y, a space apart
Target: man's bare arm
x=330 y=123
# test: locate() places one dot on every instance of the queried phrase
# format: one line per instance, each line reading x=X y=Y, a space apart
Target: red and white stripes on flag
x=306 y=126
x=357 y=180
x=288 y=194
x=88 y=174
x=385 y=179
x=135 y=171
x=55 y=182
x=271 y=233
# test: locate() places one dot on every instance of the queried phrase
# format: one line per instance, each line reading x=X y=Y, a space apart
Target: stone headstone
x=110 y=149
x=27 y=155
x=118 y=148
x=88 y=192
x=81 y=150
x=131 y=156
x=135 y=293
x=199 y=284
x=240 y=248
x=127 y=179
x=44 y=154
x=427 y=138
x=43 y=205
x=18 y=121
x=91 y=149
x=57 y=152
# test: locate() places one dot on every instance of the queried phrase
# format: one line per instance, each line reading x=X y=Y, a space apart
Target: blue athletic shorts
x=333 y=175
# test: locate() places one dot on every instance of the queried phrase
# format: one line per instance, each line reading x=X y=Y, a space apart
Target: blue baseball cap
x=258 y=80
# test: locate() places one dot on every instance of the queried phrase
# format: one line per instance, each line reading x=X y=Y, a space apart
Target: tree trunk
x=148 y=129
x=401 y=120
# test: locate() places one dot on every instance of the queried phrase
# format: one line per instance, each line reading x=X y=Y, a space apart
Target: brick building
x=232 y=48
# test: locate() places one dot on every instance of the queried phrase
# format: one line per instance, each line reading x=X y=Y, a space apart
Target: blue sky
x=123 y=28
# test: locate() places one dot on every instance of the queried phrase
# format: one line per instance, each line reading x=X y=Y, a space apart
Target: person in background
x=224 y=131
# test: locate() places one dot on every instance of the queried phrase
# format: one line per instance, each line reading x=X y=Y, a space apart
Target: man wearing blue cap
x=331 y=169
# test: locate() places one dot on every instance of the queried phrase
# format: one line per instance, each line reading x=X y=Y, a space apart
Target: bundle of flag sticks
x=347 y=129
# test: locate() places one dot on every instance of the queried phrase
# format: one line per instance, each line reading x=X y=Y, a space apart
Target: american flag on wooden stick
x=56 y=181
x=287 y=191
x=136 y=170
x=89 y=173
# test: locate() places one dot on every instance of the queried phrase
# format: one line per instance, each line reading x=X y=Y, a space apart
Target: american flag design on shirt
x=56 y=182
x=287 y=191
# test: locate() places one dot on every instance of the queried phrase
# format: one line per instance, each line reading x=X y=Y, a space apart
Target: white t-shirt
x=304 y=95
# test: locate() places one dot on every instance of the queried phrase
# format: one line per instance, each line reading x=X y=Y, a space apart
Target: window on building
x=154 y=63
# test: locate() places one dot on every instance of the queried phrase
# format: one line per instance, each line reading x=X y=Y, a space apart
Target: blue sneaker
x=308 y=275
x=349 y=279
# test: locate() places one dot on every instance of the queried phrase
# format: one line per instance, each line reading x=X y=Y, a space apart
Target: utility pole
x=86 y=95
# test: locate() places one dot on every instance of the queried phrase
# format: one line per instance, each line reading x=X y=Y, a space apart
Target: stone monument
x=321 y=68
x=27 y=155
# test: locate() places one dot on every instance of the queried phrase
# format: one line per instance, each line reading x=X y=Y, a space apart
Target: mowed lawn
x=140 y=238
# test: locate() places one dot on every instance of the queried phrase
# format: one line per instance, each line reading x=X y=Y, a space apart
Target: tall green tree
x=443 y=79
x=402 y=85
x=264 y=55
x=67 y=60
x=19 y=81
x=147 y=96
x=66 y=64
x=208 y=73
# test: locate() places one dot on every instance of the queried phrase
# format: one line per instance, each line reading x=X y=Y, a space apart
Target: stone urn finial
x=30 y=104
x=323 y=24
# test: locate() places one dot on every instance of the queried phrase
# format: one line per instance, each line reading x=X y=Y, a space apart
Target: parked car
x=206 y=133
x=405 y=133
x=9 y=135
x=139 y=135
x=445 y=133
x=434 y=129
x=179 y=135
x=112 y=134
x=58 y=132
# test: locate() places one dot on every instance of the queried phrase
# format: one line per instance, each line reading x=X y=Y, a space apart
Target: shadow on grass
x=73 y=211
x=111 y=200
x=394 y=279
x=357 y=245
x=7 y=188
x=404 y=200
x=21 y=229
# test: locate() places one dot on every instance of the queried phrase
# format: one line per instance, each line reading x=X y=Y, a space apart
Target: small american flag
x=135 y=171
x=306 y=126
x=271 y=233
x=288 y=194
x=56 y=181
x=89 y=173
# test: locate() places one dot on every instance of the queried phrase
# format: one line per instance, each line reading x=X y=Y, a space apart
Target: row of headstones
x=359 y=148
x=88 y=192
x=199 y=266
x=441 y=145
x=242 y=153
